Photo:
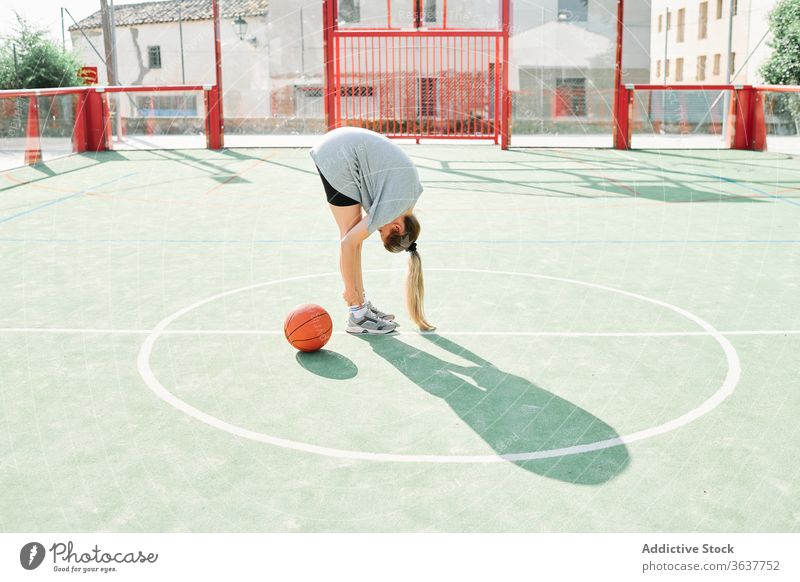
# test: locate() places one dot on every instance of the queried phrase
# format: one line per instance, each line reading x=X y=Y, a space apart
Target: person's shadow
x=510 y=413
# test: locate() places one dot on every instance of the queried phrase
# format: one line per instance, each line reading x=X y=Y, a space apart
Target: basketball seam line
x=313 y=338
x=305 y=323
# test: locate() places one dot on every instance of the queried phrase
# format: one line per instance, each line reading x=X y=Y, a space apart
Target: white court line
x=732 y=376
x=109 y=331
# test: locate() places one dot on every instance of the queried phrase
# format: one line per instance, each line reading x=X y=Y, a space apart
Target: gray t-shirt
x=368 y=167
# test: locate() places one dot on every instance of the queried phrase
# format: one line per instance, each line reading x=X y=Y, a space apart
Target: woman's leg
x=359 y=275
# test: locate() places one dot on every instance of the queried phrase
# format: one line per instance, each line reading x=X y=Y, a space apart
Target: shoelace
x=380 y=314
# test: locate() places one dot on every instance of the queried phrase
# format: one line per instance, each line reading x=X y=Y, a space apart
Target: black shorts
x=334 y=196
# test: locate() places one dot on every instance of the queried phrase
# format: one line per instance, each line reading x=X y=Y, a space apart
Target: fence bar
x=330 y=82
x=217 y=140
x=496 y=82
x=505 y=115
x=646 y=87
x=10 y=93
x=777 y=88
x=357 y=80
x=620 y=109
x=425 y=32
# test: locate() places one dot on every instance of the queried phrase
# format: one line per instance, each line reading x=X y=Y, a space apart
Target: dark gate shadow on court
x=509 y=412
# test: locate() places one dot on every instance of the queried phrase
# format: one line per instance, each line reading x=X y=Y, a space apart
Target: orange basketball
x=308 y=327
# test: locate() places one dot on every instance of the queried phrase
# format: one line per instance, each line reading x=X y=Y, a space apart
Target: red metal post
x=505 y=132
x=747 y=111
x=33 y=145
x=97 y=121
x=213 y=121
x=622 y=113
x=216 y=137
x=207 y=121
x=739 y=116
x=620 y=109
x=79 y=131
x=496 y=81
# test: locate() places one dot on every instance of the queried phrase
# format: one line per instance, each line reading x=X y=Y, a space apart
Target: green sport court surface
x=617 y=347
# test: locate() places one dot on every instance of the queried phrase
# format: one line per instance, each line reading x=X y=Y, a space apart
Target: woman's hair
x=415 y=283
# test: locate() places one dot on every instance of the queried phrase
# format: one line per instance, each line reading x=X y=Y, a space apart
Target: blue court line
x=62 y=199
x=747 y=186
x=426 y=242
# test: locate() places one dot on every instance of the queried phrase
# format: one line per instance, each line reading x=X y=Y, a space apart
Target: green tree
x=783 y=66
x=39 y=63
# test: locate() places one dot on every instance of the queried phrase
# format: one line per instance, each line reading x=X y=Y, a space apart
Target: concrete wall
x=749 y=26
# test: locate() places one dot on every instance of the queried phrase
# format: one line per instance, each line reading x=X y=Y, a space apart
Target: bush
x=40 y=62
x=783 y=66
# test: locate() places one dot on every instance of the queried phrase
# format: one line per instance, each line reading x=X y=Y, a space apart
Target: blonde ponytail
x=415 y=284
x=415 y=292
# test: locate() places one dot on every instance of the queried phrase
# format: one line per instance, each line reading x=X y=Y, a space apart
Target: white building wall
x=245 y=81
x=295 y=45
x=602 y=20
x=750 y=24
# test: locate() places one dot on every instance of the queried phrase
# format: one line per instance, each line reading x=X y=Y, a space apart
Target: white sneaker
x=378 y=313
x=368 y=324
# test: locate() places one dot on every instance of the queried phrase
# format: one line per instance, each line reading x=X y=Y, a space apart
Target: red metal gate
x=420 y=82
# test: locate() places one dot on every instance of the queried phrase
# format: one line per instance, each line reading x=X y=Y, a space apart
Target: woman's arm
x=350 y=246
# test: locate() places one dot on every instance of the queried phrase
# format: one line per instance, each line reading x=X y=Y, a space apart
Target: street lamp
x=240 y=26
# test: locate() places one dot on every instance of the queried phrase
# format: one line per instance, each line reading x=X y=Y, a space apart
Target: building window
x=350 y=11
x=166 y=105
x=681 y=24
x=357 y=100
x=427 y=97
x=573 y=10
x=719 y=9
x=658 y=69
x=309 y=101
x=733 y=64
x=669 y=20
x=701 y=68
x=702 y=27
x=356 y=91
x=666 y=69
x=735 y=7
x=154 y=57
x=430 y=11
x=570 y=98
x=679 y=69
x=717 y=61
x=660 y=22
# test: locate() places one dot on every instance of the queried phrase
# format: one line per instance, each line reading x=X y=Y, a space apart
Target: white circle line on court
x=726 y=389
